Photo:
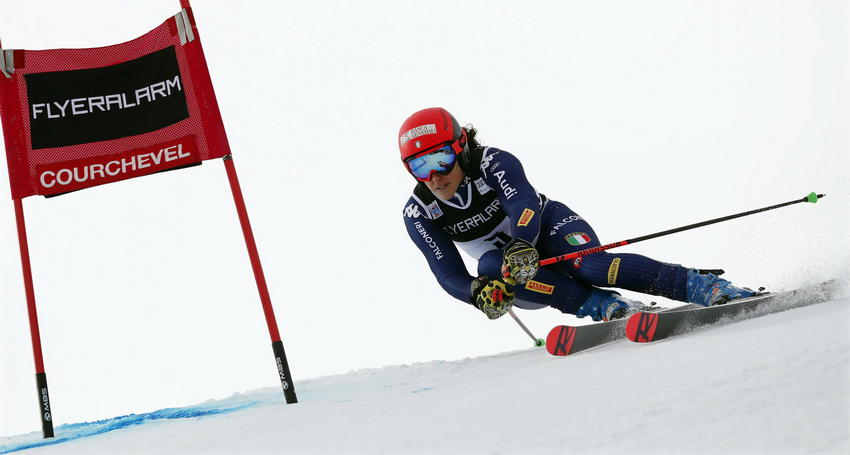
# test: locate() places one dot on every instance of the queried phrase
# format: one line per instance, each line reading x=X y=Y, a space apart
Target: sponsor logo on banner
x=482 y=186
x=413 y=133
x=563 y=223
x=577 y=238
x=613 y=270
x=537 y=286
x=66 y=176
x=412 y=211
x=526 y=217
x=98 y=104
x=435 y=210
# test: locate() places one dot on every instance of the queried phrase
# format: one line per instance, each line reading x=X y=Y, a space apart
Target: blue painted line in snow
x=72 y=431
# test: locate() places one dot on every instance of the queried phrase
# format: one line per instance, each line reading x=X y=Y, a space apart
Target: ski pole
x=538 y=342
x=811 y=197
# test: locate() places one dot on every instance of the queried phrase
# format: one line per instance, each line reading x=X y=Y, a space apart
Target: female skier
x=478 y=198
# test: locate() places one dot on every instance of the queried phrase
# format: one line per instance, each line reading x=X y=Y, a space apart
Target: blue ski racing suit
x=494 y=204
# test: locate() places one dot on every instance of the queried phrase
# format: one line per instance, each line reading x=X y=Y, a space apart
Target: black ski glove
x=493 y=297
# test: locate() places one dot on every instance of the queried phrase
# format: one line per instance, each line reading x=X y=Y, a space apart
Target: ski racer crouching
x=478 y=198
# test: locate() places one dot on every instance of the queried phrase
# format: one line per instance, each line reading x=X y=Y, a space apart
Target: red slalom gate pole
x=277 y=344
x=40 y=376
x=811 y=197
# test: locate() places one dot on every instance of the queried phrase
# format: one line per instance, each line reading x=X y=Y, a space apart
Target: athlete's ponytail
x=472 y=147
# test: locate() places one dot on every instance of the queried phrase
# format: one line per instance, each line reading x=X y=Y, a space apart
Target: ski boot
x=707 y=289
x=604 y=305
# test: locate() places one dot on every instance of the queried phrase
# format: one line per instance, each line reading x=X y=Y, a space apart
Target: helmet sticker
x=418 y=131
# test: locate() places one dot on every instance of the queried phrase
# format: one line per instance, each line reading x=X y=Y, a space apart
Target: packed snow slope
x=776 y=383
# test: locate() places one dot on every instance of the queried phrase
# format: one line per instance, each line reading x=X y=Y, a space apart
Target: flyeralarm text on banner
x=77 y=118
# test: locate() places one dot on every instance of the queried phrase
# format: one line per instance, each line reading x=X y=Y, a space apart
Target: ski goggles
x=441 y=160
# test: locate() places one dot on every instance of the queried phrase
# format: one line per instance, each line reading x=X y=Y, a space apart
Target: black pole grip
x=44 y=405
x=283 y=371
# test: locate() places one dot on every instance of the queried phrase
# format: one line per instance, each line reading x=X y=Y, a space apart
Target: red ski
x=644 y=327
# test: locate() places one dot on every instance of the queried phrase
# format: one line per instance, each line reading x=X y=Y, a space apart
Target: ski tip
x=559 y=342
x=813 y=197
x=640 y=327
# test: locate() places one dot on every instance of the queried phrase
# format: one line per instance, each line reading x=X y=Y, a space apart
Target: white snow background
x=641 y=116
